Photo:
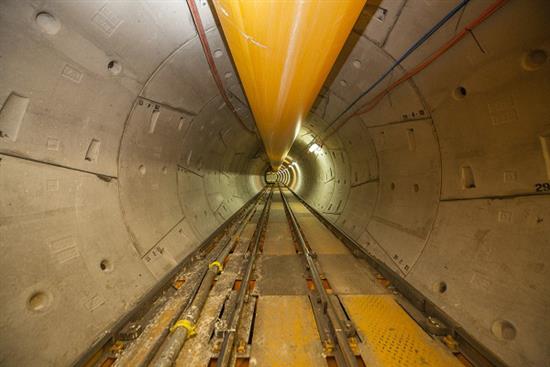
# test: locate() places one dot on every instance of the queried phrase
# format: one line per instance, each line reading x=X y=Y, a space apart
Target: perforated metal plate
x=390 y=337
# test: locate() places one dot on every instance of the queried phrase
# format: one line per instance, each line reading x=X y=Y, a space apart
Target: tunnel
x=407 y=224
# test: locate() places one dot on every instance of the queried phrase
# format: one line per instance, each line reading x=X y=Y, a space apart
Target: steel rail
x=224 y=357
x=184 y=327
x=474 y=351
x=339 y=330
x=245 y=217
x=145 y=302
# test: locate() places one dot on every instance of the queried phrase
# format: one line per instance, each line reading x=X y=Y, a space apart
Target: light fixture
x=314 y=148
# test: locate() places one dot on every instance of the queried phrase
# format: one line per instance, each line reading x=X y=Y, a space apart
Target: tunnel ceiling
x=119 y=157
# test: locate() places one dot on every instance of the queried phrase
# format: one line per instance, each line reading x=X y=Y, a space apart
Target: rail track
x=277 y=288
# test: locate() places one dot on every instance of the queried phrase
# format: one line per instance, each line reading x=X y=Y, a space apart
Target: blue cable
x=417 y=44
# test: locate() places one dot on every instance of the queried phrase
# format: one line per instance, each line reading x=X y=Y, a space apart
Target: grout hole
x=47 y=23
x=503 y=329
x=440 y=287
x=105 y=265
x=180 y=125
x=39 y=301
x=534 y=59
x=460 y=93
x=114 y=67
x=467 y=177
x=92 y=153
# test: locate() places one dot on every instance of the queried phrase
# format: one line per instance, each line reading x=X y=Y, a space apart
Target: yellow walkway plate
x=285 y=333
x=391 y=337
x=278 y=238
x=320 y=239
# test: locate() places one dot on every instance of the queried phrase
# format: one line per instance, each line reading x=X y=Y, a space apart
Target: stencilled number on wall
x=541 y=187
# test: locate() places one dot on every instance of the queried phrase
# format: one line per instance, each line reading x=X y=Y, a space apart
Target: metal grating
x=391 y=337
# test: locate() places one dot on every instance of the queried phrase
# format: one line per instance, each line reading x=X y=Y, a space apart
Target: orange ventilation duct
x=284 y=51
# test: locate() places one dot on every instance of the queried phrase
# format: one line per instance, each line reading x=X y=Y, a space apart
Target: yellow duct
x=284 y=50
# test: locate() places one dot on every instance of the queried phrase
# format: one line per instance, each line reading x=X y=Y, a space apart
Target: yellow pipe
x=284 y=50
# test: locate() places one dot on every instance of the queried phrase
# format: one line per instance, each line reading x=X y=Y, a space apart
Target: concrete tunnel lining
x=125 y=158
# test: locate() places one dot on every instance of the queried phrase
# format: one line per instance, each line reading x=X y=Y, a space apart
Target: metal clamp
x=186 y=324
x=216 y=263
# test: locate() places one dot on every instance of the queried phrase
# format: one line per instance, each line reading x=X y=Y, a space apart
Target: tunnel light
x=314 y=148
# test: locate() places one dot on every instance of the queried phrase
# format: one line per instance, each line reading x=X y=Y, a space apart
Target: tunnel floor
x=282 y=322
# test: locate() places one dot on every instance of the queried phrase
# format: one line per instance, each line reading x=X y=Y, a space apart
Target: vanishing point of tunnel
x=275 y=183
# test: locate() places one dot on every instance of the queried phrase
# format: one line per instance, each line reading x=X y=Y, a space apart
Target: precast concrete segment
x=209 y=58
x=92 y=186
x=284 y=51
x=445 y=175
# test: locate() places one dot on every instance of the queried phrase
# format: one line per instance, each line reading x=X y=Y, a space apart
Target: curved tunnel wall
x=125 y=160
x=441 y=180
x=117 y=171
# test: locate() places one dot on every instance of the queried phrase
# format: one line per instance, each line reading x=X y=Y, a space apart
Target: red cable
x=418 y=68
x=208 y=54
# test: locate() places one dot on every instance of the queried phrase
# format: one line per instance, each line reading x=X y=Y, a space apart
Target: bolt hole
x=392 y=186
x=114 y=67
x=343 y=83
x=460 y=93
x=180 y=125
x=441 y=287
x=142 y=170
x=218 y=53
x=504 y=330
x=534 y=59
x=356 y=64
x=165 y=170
x=416 y=187
x=228 y=75
x=39 y=301
x=105 y=265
